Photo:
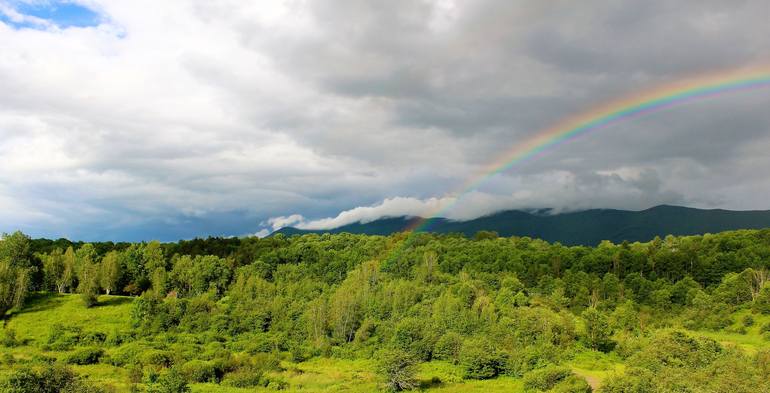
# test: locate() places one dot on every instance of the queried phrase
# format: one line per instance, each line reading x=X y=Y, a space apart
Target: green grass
x=356 y=376
x=595 y=366
x=43 y=310
x=33 y=323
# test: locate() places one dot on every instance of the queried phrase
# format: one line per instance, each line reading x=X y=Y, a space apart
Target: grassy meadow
x=33 y=323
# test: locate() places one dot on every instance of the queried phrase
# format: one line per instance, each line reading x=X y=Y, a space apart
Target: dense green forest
x=421 y=311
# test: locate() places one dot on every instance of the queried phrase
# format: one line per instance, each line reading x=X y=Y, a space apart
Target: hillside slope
x=587 y=227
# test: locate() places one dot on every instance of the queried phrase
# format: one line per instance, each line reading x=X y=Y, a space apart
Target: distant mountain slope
x=587 y=227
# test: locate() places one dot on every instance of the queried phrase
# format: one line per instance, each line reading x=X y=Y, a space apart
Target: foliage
x=171 y=381
x=481 y=360
x=546 y=378
x=50 y=379
x=491 y=311
x=85 y=356
x=398 y=369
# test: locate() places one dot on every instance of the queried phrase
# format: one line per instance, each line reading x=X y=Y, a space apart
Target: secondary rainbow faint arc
x=663 y=97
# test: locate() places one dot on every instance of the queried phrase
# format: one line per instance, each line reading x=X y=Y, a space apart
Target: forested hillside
x=364 y=313
x=587 y=228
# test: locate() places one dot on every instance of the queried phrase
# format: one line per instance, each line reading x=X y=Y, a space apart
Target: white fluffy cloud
x=624 y=188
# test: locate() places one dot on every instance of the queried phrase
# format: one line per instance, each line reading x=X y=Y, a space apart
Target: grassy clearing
x=356 y=376
x=44 y=310
x=595 y=366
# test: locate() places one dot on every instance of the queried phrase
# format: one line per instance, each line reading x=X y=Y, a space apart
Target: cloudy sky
x=131 y=120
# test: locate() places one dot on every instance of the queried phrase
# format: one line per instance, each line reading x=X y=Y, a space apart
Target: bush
x=398 y=368
x=409 y=335
x=572 y=384
x=546 y=378
x=276 y=384
x=199 y=371
x=481 y=360
x=117 y=337
x=448 y=347
x=632 y=381
x=531 y=358
x=53 y=378
x=748 y=321
x=61 y=338
x=676 y=349
x=9 y=338
x=156 y=357
x=171 y=381
x=126 y=354
x=84 y=356
x=89 y=299
x=93 y=338
x=244 y=379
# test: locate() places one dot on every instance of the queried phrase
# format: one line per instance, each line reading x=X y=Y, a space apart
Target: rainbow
x=663 y=97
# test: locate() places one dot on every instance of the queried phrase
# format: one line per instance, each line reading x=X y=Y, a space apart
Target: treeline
x=513 y=306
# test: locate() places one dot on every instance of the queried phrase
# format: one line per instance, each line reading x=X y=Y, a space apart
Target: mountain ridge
x=585 y=227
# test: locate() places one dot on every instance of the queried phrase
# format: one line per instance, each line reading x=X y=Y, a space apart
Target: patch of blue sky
x=43 y=14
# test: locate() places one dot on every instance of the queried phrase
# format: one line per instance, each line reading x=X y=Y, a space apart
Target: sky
x=138 y=120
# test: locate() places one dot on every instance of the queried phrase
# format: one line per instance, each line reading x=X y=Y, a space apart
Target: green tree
x=762 y=300
x=15 y=271
x=398 y=368
x=597 y=330
x=88 y=274
x=69 y=274
x=53 y=270
x=111 y=272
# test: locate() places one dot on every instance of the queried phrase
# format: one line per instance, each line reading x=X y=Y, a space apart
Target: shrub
x=275 y=383
x=244 y=379
x=572 y=384
x=171 y=381
x=89 y=299
x=398 y=368
x=53 y=378
x=481 y=360
x=126 y=354
x=93 y=338
x=546 y=378
x=634 y=380
x=676 y=350
x=9 y=338
x=448 y=347
x=199 y=371
x=409 y=335
x=117 y=337
x=61 y=338
x=135 y=373
x=748 y=321
x=531 y=358
x=84 y=356
x=156 y=357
